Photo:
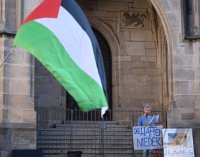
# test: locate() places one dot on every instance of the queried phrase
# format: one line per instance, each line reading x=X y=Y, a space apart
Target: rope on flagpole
x=10 y=52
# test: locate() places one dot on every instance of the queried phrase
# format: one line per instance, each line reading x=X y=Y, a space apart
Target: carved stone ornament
x=133 y=19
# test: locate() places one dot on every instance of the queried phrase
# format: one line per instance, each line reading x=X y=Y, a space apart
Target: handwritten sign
x=147 y=137
x=178 y=143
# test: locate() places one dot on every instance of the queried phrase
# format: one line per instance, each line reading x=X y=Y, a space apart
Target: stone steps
x=97 y=155
x=89 y=137
x=83 y=133
x=87 y=151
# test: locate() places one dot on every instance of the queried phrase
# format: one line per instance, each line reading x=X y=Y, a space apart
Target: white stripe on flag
x=75 y=41
x=103 y=110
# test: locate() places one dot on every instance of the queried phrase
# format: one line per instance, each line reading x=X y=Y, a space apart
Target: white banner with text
x=147 y=137
x=178 y=143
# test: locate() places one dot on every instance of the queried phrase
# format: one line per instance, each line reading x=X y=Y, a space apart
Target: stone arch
x=108 y=34
x=171 y=52
x=114 y=45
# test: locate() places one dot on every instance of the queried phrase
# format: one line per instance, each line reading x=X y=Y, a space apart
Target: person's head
x=147 y=108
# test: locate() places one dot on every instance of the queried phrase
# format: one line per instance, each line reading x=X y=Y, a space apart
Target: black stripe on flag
x=74 y=9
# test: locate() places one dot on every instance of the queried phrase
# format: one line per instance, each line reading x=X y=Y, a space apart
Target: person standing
x=144 y=120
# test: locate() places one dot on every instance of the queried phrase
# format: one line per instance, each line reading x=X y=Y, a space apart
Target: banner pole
x=11 y=51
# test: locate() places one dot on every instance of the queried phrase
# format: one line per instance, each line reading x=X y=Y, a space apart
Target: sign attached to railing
x=147 y=137
x=178 y=143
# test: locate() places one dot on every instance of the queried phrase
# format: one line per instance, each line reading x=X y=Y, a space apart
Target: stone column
x=17 y=114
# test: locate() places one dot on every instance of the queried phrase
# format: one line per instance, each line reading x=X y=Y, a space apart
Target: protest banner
x=147 y=137
x=178 y=143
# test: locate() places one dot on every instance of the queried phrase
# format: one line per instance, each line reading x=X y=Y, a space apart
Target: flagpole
x=11 y=51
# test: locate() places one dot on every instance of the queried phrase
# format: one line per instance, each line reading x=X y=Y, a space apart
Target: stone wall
x=184 y=59
x=151 y=60
x=136 y=60
x=17 y=108
x=17 y=114
x=142 y=52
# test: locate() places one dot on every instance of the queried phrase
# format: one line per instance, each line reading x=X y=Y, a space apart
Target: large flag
x=59 y=35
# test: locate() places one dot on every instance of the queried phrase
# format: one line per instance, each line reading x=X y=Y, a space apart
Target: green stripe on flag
x=45 y=46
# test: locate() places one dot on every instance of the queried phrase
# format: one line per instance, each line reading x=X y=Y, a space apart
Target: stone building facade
x=151 y=61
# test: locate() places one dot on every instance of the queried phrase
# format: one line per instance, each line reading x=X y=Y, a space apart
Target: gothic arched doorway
x=71 y=103
x=52 y=97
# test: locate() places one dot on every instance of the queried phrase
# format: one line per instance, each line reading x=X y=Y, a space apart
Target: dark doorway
x=106 y=53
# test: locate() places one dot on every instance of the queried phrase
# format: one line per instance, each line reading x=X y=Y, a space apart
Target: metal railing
x=48 y=117
x=61 y=130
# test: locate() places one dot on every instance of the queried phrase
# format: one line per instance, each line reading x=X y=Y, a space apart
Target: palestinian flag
x=59 y=35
